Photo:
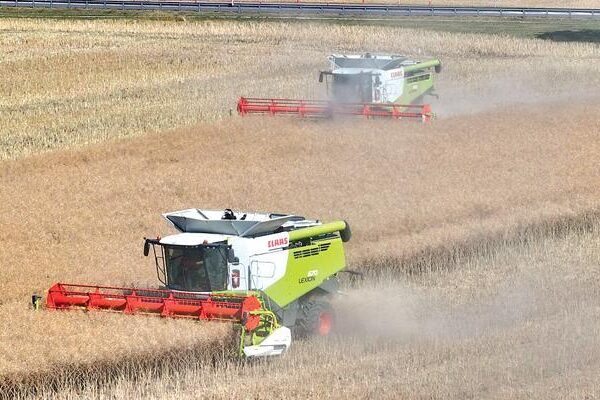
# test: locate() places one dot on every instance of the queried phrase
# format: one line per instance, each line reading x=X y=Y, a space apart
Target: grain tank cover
x=244 y=224
x=383 y=62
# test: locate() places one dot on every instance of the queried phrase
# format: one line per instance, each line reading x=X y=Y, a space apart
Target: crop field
x=91 y=81
x=519 y=322
x=478 y=233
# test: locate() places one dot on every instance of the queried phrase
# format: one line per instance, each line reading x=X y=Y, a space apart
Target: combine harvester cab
x=372 y=86
x=273 y=274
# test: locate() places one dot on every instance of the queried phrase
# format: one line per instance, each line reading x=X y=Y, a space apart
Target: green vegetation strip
x=552 y=29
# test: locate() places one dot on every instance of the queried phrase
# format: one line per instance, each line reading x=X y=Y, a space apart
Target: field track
x=350 y=9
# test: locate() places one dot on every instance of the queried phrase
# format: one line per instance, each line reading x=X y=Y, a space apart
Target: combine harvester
x=374 y=86
x=270 y=273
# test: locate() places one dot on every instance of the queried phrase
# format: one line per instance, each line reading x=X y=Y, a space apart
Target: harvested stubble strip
x=76 y=348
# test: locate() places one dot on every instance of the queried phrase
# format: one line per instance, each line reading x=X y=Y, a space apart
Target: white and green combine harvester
x=369 y=85
x=273 y=274
x=379 y=78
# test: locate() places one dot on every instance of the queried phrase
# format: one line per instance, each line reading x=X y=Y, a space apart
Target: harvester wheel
x=316 y=318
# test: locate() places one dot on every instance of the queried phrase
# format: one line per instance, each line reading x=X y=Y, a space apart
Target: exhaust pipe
x=338 y=226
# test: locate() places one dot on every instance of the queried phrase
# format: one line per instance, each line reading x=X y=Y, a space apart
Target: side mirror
x=346 y=233
x=146 y=247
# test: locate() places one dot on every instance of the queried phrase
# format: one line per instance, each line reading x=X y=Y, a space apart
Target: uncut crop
x=72 y=83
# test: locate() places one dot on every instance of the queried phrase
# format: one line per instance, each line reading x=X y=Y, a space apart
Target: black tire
x=315 y=318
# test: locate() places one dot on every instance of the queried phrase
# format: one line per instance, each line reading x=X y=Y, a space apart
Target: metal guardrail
x=308 y=8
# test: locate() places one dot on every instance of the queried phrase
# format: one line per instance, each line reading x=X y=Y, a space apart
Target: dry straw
x=517 y=322
x=411 y=192
x=71 y=83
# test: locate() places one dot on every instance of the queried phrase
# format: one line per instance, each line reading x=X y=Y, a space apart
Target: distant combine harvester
x=369 y=85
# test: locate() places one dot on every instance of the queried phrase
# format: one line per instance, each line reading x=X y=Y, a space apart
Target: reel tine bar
x=328 y=109
x=164 y=303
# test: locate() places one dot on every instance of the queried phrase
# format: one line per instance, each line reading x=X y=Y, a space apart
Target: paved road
x=309 y=8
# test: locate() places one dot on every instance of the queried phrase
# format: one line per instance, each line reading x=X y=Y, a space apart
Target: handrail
x=301 y=7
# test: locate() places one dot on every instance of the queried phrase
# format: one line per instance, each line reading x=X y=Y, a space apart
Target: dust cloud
x=398 y=311
x=505 y=91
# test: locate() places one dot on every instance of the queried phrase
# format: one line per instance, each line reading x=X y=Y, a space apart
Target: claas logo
x=277 y=242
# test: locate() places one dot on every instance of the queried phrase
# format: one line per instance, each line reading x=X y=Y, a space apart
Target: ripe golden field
x=521 y=322
x=71 y=83
x=90 y=161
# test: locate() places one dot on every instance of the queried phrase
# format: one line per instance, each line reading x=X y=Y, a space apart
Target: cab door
x=261 y=274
